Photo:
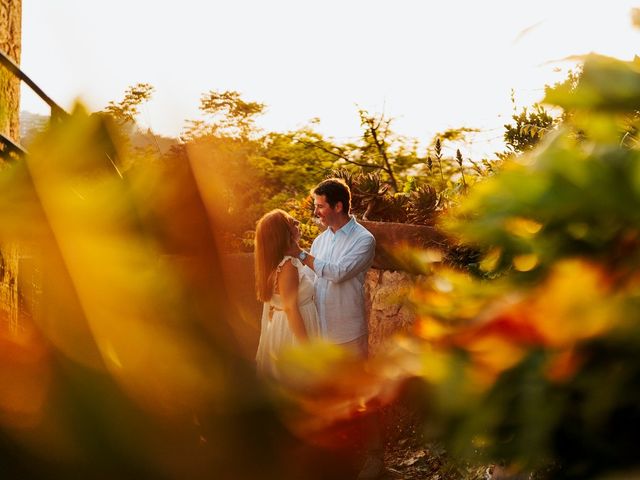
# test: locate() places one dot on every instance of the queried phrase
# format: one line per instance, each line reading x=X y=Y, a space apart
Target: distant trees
x=126 y=110
x=228 y=115
x=257 y=171
x=378 y=150
x=254 y=171
x=250 y=171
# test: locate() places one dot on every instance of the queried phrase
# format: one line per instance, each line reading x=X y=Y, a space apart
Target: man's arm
x=357 y=259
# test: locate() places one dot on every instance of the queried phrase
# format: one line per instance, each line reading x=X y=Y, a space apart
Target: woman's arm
x=288 y=288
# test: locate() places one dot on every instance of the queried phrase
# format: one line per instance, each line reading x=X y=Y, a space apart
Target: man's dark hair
x=336 y=190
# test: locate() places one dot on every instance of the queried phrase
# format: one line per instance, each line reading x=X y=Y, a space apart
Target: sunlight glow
x=429 y=65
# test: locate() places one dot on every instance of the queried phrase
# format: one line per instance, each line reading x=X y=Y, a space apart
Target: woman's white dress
x=275 y=334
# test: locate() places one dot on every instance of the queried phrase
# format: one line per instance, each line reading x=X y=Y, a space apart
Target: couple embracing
x=316 y=294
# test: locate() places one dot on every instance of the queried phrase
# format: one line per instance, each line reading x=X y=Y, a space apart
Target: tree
x=289 y=165
x=126 y=110
x=380 y=149
x=229 y=115
x=221 y=149
x=376 y=137
x=528 y=128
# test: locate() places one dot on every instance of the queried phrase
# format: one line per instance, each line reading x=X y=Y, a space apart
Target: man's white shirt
x=341 y=260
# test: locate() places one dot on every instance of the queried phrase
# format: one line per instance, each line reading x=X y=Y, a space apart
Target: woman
x=289 y=316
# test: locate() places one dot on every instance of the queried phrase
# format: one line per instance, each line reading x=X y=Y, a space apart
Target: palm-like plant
x=423 y=204
x=342 y=174
x=368 y=191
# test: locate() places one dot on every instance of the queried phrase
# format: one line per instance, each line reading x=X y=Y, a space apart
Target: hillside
x=33 y=123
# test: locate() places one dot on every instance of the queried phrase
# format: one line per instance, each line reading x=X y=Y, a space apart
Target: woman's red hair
x=273 y=238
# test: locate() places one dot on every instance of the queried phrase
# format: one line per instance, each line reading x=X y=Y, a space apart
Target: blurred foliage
x=129 y=359
x=534 y=361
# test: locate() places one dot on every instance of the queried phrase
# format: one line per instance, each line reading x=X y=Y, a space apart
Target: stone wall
x=20 y=284
x=9 y=295
x=387 y=309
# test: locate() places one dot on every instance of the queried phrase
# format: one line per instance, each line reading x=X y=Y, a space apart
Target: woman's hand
x=293 y=250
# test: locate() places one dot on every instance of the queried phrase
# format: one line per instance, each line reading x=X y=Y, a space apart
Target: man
x=340 y=258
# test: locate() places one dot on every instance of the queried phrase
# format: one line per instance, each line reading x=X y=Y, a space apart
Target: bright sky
x=429 y=64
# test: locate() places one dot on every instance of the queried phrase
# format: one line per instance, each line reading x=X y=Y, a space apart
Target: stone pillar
x=10 y=43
